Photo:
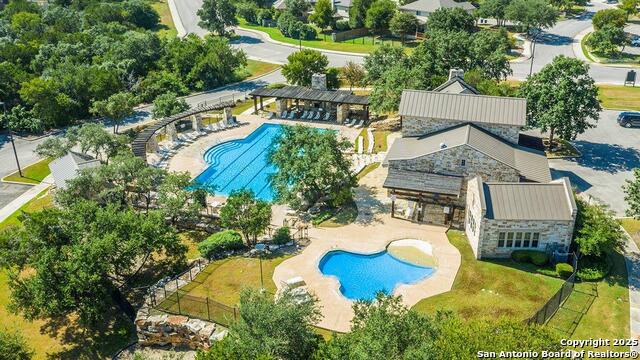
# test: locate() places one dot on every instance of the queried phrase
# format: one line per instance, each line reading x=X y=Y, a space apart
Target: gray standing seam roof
x=305 y=93
x=528 y=201
x=433 y=5
x=456 y=85
x=464 y=107
x=531 y=164
x=423 y=182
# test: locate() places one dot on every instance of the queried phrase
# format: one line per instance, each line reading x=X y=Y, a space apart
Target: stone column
x=152 y=144
x=341 y=113
x=196 y=122
x=172 y=134
x=227 y=115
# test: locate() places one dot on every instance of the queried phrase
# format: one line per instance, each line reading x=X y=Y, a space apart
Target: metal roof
x=464 y=107
x=529 y=201
x=531 y=164
x=433 y=5
x=423 y=182
x=305 y=93
x=456 y=85
x=139 y=144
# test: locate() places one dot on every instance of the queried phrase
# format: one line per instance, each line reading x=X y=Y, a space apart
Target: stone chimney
x=319 y=82
x=456 y=73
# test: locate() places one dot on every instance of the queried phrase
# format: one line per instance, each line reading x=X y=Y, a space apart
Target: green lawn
x=343 y=216
x=166 y=27
x=367 y=169
x=43 y=200
x=622 y=58
x=619 y=97
x=32 y=174
x=490 y=289
x=358 y=45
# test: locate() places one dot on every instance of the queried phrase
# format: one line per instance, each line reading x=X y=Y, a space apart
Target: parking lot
x=609 y=155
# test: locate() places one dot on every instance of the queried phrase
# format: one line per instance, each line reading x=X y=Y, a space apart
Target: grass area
x=43 y=200
x=619 y=97
x=242 y=107
x=490 y=289
x=365 y=142
x=632 y=226
x=380 y=140
x=191 y=239
x=359 y=45
x=563 y=149
x=166 y=27
x=597 y=309
x=367 y=169
x=593 y=56
x=32 y=174
x=257 y=68
x=345 y=215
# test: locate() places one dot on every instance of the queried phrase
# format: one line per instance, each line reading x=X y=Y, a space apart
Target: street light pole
x=533 y=51
x=13 y=144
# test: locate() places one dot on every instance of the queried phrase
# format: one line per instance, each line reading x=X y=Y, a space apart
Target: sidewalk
x=632 y=260
x=28 y=195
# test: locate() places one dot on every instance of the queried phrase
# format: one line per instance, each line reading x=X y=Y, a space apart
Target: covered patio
x=302 y=103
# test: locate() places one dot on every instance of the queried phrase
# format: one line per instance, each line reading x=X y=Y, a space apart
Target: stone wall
x=415 y=126
x=551 y=232
x=175 y=330
x=474 y=216
x=448 y=162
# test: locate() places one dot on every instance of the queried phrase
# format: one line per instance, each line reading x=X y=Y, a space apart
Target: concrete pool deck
x=372 y=231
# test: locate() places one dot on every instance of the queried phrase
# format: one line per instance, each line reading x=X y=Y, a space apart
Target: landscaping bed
x=563 y=149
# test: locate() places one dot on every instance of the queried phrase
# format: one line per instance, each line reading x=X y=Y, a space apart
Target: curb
x=177 y=20
x=2 y=180
x=577 y=51
x=268 y=38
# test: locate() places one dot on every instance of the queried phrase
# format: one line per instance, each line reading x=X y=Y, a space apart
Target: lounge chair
x=326 y=116
x=304 y=114
x=311 y=115
x=360 y=124
x=283 y=115
x=317 y=117
x=350 y=122
x=291 y=115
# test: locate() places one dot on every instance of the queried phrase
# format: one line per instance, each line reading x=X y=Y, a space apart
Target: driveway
x=609 y=154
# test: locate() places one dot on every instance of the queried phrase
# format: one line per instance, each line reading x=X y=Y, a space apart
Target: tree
x=245 y=213
x=630 y=7
x=168 y=104
x=268 y=328
x=613 y=17
x=562 y=5
x=489 y=53
x=358 y=12
x=387 y=90
x=354 y=74
x=78 y=261
x=597 y=230
x=141 y=13
x=160 y=82
x=311 y=166
x=176 y=200
x=531 y=15
x=379 y=15
x=21 y=119
x=562 y=98
x=217 y=15
x=302 y=65
x=116 y=108
x=333 y=78
x=493 y=9
x=13 y=346
x=608 y=40
x=632 y=194
x=403 y=24
x=53 y=147
x=297 y=8
x=381 y=59
x=323 y=14
x=451 y=19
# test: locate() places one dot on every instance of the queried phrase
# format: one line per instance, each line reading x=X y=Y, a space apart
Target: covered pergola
x=340 y=104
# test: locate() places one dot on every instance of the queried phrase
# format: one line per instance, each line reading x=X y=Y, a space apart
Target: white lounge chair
x=350 y=122
x=291 y=115
x=311 y=115
x=360 y=124
x=283 y=115
x=317 y=117
x=304 y=114
x=326 y=116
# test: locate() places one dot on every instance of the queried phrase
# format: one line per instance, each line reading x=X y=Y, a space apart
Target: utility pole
x=533 y=50
x=13 y=144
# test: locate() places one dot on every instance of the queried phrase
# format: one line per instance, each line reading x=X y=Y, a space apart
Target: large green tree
x=451 y=19
x=21 y=119
x=176 y=200
x=81 y=260
x=13 y=346
x=381 y=59
x=493 y=9
x=613 y=17
x=354 y=74
x=358 y=12
x=562 y=99
x=116 y=108
x=387 y=90
x=323 y=14
x=608 y=40
x=531 y=15
x=268 y=328
x=301 y=65
x=168 y=104
x=403 y=24
x=217 y=15
x=379 y=15
x=632 y=194
x=597 y=230
x=311 y=166
x=245 y=213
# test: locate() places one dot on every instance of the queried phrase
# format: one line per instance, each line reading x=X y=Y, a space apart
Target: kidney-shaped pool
x=362 y=276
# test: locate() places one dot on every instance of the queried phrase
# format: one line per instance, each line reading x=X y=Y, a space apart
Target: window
x=518 y=239
x=501 y=239
x=509 y=239
x=535 y=239
x=518 y=242
x=463 y=162
x=527 y=240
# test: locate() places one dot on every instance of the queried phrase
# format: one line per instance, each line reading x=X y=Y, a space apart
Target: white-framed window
x=518 y=239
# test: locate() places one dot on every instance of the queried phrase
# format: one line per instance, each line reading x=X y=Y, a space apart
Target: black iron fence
x=181 y=303
x=555 y=302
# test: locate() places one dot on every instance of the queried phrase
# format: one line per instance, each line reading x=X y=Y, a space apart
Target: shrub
x=264 y=15
x=591 y=268
x=249 y=12
x=538 y=258
x=282 y=236
x=564 y=270
x=220 y=242
x=342 y=25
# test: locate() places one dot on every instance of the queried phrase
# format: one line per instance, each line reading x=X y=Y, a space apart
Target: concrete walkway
x=28 y=195
x=632 y=260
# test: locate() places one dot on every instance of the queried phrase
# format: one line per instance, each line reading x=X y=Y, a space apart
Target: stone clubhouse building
x=460 y=162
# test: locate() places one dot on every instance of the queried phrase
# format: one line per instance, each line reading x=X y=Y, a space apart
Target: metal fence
x=551 y=307
x=181 y=303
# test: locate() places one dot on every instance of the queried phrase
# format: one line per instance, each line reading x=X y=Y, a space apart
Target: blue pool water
x=242 y=164
x=362 y=276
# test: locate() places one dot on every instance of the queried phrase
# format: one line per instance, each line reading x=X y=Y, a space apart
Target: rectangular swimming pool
x=242 y=164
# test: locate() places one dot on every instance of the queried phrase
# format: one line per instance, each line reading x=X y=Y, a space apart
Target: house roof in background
x=456 y=85
x=464 y=107
x=531 y=164
x=433 y=5
x=529 y=201
x=305 y=93
x=423 y=182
